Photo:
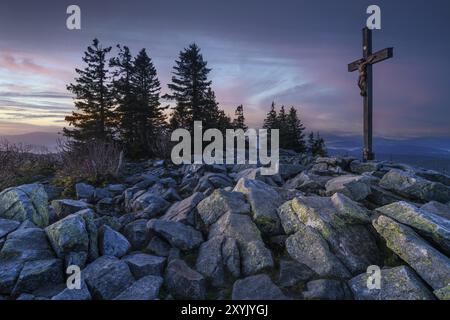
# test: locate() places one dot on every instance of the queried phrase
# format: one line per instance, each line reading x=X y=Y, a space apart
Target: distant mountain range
x=433 y=153
x=45 y=139
x=439 y=147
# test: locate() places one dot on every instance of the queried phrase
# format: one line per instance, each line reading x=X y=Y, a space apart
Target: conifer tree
x=239 y=120
x=124 y=96
x=150 y=118
x=311 y=142
x=294 y=128
x=271 y=120
x=223 y=122
x=316 y=145
x=210 y=114
x=282 y=126
x=94 y=117
x=136 y=91
x=189 y=89
x=320 y=149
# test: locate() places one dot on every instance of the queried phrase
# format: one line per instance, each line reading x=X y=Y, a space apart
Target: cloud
x=295 y=53
x=9 y=128
x=51 y=95
x=33 y=65
x=22 y=64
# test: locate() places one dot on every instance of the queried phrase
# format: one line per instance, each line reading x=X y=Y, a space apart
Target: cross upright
x=364 y=67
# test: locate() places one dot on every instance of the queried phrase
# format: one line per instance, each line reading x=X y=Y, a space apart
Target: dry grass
x=21 y=163
x=95 y=161
x=161 y=147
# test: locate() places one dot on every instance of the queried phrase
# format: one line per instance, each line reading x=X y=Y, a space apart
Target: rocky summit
x=316 y=230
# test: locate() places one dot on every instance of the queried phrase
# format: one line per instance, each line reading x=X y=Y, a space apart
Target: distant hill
x=45 y=139
x=430 y=153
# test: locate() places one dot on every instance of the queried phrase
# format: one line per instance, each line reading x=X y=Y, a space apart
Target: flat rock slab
x=220 y=202
x=218 y=258
x=343 y=224
x=183 y=282
x=65 y=207
x=9 y=272
x=253 y=252
x=293 y=273
x=107 y=277
x=399 y=283
x=76 y=233
x=142 y=264
x=414 y=187
x=424 y=222
x=150 y=203
x=26 y=202
x=137 y=233
x=429 y=263
x=7 y=226
x=146 y=288
x=359 y=167
x=437 y=208
x=433 y=176
x=184 y=210
x=327 y=289
x=38 y=274
x=307 y=246
x=112 y=243
x=25 y=245
x=308 y=182
x=158 y=247
x=258 y=287
x=443 y=293
x=84 y=191
x=289 y=220
x=179 y=235
x=264 y=201
x=356 y=188
x=81 y=294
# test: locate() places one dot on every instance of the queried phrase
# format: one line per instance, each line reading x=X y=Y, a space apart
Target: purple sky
x=294 y=52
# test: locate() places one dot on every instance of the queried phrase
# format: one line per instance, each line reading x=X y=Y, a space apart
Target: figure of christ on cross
x=364 y=67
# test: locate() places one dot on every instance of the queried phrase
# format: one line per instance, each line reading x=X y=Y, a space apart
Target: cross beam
x=377 y=57
x=364 y=66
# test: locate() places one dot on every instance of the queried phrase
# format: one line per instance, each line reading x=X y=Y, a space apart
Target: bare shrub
x=95 y=161
x=161 y=146
x=20 y=163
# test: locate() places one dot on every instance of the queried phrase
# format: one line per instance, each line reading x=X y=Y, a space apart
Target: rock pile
x=228 y=232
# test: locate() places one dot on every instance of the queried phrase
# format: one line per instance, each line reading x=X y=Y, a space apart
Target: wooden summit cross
x=364 y=66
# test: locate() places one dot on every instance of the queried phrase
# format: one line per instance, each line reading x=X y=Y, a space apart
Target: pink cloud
x=22 y=64
x=34 y=65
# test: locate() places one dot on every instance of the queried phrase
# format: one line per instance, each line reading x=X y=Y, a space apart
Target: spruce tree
x=239 y=120
x=316 y=145
x=124 y=96
x=294 y=128
x=210 y=114
x=271 y=120
x=189 y=89
x=311 y=142
x=150 y=118
x=94 y=117
x=319 y=148
x=282 y=126
x=223 y=122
